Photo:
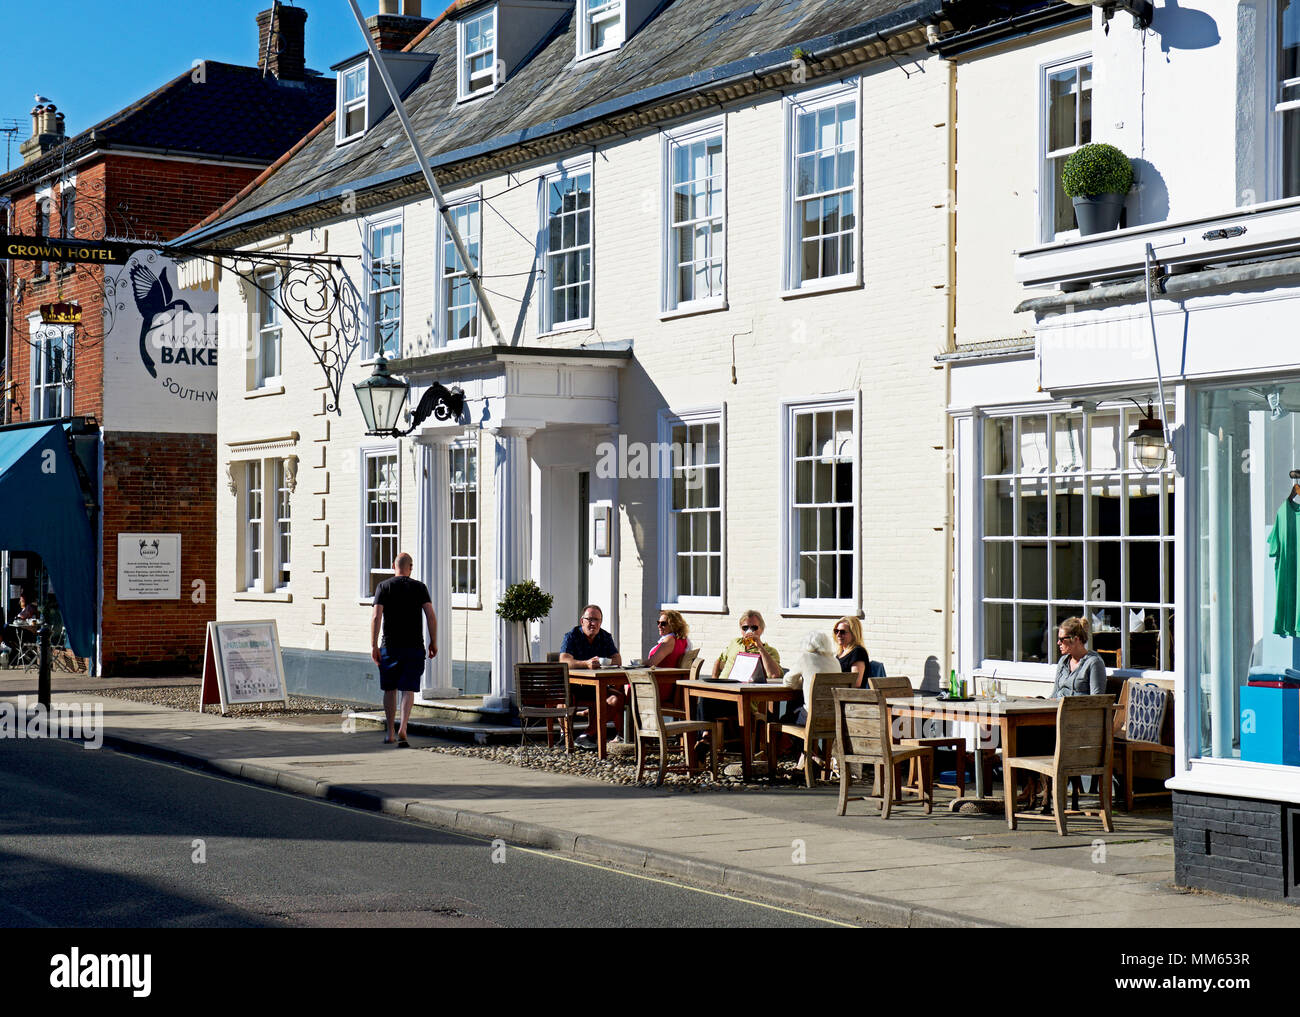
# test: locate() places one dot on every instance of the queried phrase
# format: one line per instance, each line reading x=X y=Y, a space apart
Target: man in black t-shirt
x=399 y=603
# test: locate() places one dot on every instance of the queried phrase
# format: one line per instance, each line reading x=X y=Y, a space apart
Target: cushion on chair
x=1146 y=712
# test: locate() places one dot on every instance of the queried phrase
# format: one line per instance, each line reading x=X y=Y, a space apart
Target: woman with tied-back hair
x=816 y=656
x=850 y=652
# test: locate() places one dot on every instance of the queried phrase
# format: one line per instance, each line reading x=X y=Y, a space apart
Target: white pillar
x=434 y=507
x=512 y=485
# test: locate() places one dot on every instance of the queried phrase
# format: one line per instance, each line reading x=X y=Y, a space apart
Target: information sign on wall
x=148 y=566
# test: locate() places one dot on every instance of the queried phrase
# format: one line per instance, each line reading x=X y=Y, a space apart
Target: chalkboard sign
x=242 y=664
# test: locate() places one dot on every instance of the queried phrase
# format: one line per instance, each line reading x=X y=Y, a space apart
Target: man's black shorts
x=400 y=670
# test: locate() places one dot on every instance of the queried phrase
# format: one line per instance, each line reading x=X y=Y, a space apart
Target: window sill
x=603 y=51
x=482 y=93
x=266 y=390
x=839 y=609
x=67 y=270
x=690 y=309
x=466 y=603
x=282 y=597
x=583 y=325
x=702 y=607
x=836 y=285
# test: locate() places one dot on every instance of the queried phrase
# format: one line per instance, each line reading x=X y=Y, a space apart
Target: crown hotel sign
x=64 y=312
x=64 y=250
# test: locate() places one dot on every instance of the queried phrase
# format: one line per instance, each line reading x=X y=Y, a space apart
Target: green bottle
x=952 y=684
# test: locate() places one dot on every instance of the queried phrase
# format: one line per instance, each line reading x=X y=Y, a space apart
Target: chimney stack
x=48 y=132
x=281 y=42
x=393 y=29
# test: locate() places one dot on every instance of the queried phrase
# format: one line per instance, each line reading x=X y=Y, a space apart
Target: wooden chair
x=900 y=687
x=819 y=701
x=1146 y=728
x=1084 y=746
x=648 y=724
x=689 y=658
x=542 y=693
x=862 y=736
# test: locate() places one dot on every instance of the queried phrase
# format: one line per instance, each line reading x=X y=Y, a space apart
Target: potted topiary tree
x=524 y=603
x=1098 y=177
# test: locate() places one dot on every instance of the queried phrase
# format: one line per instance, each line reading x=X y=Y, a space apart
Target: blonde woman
x=850 y=652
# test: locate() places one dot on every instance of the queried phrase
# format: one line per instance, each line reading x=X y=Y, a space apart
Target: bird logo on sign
x=153 y=296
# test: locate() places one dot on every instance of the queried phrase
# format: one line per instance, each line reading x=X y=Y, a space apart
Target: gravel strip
x=186 y=697
x=584 y=763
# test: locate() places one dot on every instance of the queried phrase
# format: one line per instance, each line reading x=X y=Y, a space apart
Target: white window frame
x=566 y=170
x=373 y=228
x=824 y=607
x=1046 y=176
x=281 y=579
x=593 y=12
x=1046 y=670
x=42 y=220
x=668 y=595
x=368 y=566
x=471 y=599
x=43 y=339
x=456 y=203
x=812 y=100
x=465 y=86
x=68 y=210
x=253 y=527
x=1277 y=108
x=267 y=301
x=673 y=140
x=346 y=106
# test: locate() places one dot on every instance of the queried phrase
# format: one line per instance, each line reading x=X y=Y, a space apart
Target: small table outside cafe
x=603 y=681
x=742 y=694
x=1008 y=715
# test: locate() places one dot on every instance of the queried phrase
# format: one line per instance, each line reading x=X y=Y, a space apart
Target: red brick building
x=143 y=176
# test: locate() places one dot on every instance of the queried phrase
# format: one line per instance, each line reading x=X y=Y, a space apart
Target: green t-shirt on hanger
x=1284 y=549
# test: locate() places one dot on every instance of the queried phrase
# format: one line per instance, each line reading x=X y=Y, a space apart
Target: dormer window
x=478 y=54
x=352 y=102
x=600 y=26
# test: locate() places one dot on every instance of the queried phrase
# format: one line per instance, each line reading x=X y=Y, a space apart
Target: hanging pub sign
x=64 y=250
x=64 y=312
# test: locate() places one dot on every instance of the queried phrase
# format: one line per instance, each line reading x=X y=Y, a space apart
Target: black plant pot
x=1098 y=214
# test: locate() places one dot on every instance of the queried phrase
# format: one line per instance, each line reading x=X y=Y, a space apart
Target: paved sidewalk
x=783 y=845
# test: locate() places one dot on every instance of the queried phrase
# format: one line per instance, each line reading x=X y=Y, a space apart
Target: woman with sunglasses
x=850 y=652
x=750 y=640
x=667 y=652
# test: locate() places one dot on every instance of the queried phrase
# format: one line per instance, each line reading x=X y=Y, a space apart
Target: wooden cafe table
x=742 y=694
x=1009 y=715
x=602 y=680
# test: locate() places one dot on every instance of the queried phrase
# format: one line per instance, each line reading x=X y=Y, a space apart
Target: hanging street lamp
x=383 y=399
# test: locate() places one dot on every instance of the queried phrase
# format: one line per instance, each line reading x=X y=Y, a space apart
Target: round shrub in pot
x=1097 y=177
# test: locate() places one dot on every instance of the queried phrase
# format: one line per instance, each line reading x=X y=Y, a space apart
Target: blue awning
x=42 y=510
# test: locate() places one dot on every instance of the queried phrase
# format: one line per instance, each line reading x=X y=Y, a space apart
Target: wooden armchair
x=1144 y=742
x=862 y=736
x=1084 y=746
x=542 y=693
x=819 y=702
x=900 y=687
x=648 y=724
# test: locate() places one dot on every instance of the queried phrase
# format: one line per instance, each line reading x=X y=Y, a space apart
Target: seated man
x=584 y=645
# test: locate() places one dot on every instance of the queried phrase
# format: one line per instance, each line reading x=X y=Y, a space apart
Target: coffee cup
x=605 y=661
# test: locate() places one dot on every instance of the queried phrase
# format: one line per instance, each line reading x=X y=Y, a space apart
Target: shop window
x=1248 y=601
x=1073 y=527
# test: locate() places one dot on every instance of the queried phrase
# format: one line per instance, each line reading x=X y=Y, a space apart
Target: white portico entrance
x=547 y=411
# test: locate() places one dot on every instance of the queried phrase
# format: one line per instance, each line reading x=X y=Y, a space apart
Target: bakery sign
x=148 y=566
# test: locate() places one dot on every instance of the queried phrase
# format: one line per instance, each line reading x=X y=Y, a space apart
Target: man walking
x=398 y=604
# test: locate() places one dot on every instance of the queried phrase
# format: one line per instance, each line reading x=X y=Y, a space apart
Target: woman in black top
x=852 y=655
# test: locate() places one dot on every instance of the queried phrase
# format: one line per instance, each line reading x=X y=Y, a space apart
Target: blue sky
x=93 y=57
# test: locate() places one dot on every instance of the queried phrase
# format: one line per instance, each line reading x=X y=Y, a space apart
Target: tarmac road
x=99 y=839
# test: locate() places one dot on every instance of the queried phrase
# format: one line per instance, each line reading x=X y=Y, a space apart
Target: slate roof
x=234 y=113
x=681 y=46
